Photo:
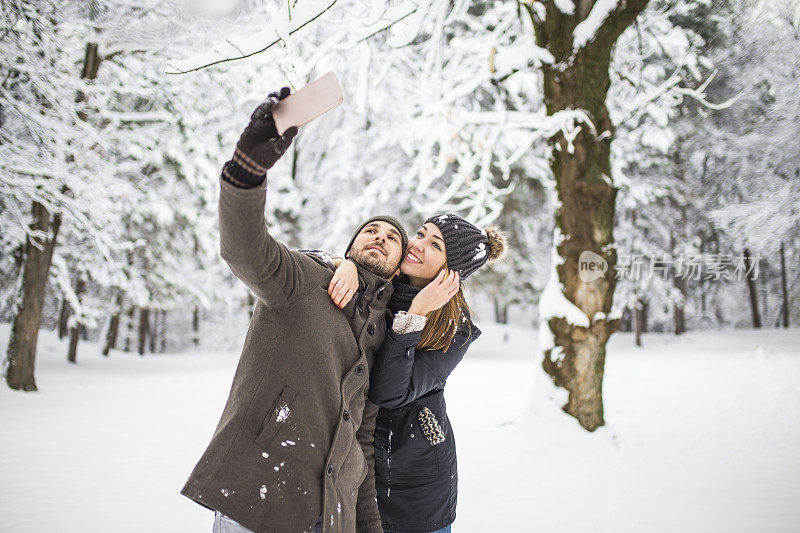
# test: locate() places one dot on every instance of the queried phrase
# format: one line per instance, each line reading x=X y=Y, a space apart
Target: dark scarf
x=402 y=295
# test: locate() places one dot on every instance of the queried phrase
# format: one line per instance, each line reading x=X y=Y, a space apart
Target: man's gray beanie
x=384 y=218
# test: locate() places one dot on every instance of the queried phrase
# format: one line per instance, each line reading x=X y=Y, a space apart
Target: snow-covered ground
x=702 y=435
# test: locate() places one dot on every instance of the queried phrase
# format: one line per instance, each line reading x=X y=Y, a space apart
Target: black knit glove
x=259 y=146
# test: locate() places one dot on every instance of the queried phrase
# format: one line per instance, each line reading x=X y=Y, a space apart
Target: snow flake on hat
x=480 y=252
x=441 y=218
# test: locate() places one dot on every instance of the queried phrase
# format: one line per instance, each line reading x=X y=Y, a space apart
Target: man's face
x=378 y=247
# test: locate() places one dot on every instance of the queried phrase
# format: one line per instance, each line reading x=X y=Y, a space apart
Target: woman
x=415 y=454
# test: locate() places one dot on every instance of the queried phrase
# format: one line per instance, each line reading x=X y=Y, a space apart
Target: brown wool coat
x=295 y=437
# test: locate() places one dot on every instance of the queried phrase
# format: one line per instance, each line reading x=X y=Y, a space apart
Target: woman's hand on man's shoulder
x=344 y=283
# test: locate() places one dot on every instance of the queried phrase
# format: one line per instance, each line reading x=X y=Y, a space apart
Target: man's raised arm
x=266 y=266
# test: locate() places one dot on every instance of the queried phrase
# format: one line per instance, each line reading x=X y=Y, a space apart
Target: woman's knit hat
x=468 y=248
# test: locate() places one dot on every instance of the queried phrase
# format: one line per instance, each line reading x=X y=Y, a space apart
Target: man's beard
x=373 y=264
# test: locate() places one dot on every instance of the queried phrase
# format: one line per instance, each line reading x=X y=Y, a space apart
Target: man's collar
x=369 y=282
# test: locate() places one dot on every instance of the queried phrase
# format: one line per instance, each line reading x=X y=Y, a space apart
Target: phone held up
x=313 y=100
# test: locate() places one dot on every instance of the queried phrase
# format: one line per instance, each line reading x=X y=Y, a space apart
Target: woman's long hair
x=441 y=326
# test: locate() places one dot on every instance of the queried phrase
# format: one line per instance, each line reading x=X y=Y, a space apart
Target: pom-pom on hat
x=468 y=248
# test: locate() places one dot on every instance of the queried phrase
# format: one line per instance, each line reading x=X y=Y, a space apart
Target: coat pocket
x=277 y=417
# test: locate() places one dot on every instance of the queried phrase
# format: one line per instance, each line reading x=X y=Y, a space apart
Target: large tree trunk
x=784 y=291
x=582 y=170
x=751 y=289
x=75 y=331
x=21 y=354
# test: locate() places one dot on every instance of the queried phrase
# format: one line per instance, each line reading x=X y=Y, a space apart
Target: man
x=293 y=449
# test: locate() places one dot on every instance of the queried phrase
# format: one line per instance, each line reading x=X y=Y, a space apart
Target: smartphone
x=316 y=98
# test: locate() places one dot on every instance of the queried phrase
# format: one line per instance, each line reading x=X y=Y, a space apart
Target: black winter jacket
x=415 y=451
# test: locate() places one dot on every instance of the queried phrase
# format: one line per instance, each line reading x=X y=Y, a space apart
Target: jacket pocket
x=277 y=417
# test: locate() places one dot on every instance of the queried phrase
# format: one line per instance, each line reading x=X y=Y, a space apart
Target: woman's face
x=425 y=256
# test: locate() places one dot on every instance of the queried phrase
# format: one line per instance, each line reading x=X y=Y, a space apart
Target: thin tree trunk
x=196 y=326
x=21 y=353
x=19 y=257
x=154 y=332
x=91 y=63
x=63 y=317
x=784 y=291
x=679 y=318
x=582 y=170
x=751 y=289
x=645 y=315
x=679 y=282
x=163 y=331
x=764 y=292
x=144 y=313
x=129 y=329
x=500 y=312
x=113 y=327
x=638 y=325
x=702 y=280
x=625 y=322
x=75 y=331
x=640 y=320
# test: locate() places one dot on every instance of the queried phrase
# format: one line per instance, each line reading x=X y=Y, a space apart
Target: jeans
x=223 y=524
x=445 y=529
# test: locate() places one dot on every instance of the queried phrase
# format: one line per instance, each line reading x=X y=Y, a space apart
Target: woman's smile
x=412 y=258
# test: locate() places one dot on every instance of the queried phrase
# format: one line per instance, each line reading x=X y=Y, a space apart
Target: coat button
x=359 y=370
x=330 y=470
x=370 y=329
x=346 y=416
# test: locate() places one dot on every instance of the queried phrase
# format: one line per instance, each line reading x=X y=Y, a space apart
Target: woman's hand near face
x=344 y=283
x=436 y=293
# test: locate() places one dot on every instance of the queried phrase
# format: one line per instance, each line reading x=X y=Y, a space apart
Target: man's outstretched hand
x=260 y=146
